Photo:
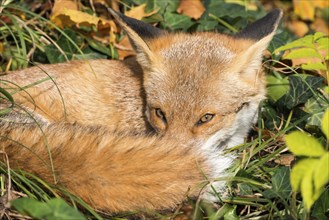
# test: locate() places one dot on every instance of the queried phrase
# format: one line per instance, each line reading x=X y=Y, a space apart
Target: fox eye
x=205 y=118
x=241 y=106
x=159 y=113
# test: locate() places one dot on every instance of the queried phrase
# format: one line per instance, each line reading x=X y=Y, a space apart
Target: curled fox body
x=202 y=89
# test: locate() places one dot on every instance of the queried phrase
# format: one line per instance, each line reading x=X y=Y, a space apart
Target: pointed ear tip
x=277 y=14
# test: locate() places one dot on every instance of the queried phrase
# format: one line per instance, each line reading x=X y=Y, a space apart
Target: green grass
x=261 y=187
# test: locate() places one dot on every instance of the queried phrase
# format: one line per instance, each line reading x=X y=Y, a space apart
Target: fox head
x=202 y=86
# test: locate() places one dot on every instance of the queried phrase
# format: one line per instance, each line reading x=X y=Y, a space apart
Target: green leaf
x=56 y=55
x=325 y=124
x=306 y=41
x=321 y=172
x=244 y=189
x=89 y=56
x=316 y=106
x=298 y=172
x=163 y=6
x=301 y=88
x=321 y=206
x=302 y=144
x=302 y=53
x=313 y=66
x=31 y=207
x=7 y=96
x=177 y=22
x=231 y=214
x=61 y=210
x=221 y=10
x=207 y=24
x=99 y=47
x=279 y=40
x=280 y=184
x=307 y=189
x=318 y=35
x=323 y=43
x=310 y=176
x=276 y=88
x=55 y=208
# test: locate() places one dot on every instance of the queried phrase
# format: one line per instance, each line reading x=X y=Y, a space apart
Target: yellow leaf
x=306 y=8
x=191 y=8
x=139 y=12
x=69 y=17
x=250 y=5
x=320 y=3
x=59 y=5
x=124 y=48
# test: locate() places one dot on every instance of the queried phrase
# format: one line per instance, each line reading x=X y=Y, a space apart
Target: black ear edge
x=262 y=27
x=144 y=30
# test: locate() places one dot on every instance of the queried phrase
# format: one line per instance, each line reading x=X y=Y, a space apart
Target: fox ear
x=262 y=27
x=139 y=34
x=261 y=33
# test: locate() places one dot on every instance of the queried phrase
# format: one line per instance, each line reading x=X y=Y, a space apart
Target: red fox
x=137 y=134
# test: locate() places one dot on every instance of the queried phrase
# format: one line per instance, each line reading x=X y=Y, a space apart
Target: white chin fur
x=223 y=139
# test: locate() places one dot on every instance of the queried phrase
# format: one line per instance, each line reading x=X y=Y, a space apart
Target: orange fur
x=109 y=172
x=198 y=94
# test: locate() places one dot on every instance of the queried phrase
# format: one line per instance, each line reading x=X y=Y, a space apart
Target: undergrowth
x=297 y=74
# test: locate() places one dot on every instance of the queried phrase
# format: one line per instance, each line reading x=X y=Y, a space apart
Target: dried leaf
x=320 y=25
x=191 y=8
x=285 y=160
x=124 y=48
x=139 y=12
x=298 y=27
x=65 y=13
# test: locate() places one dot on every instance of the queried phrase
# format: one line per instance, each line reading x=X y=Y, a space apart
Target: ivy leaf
x=231 y=214
x=53 y=209
x=276 y=87
x=321 y=206
x=316 y=106
x=31 y=207
x=280 y=184
x=302 y=144
x=300 y=90
x=177 y=22
x=61 y=210
x=325 y=124
x=55 y=55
